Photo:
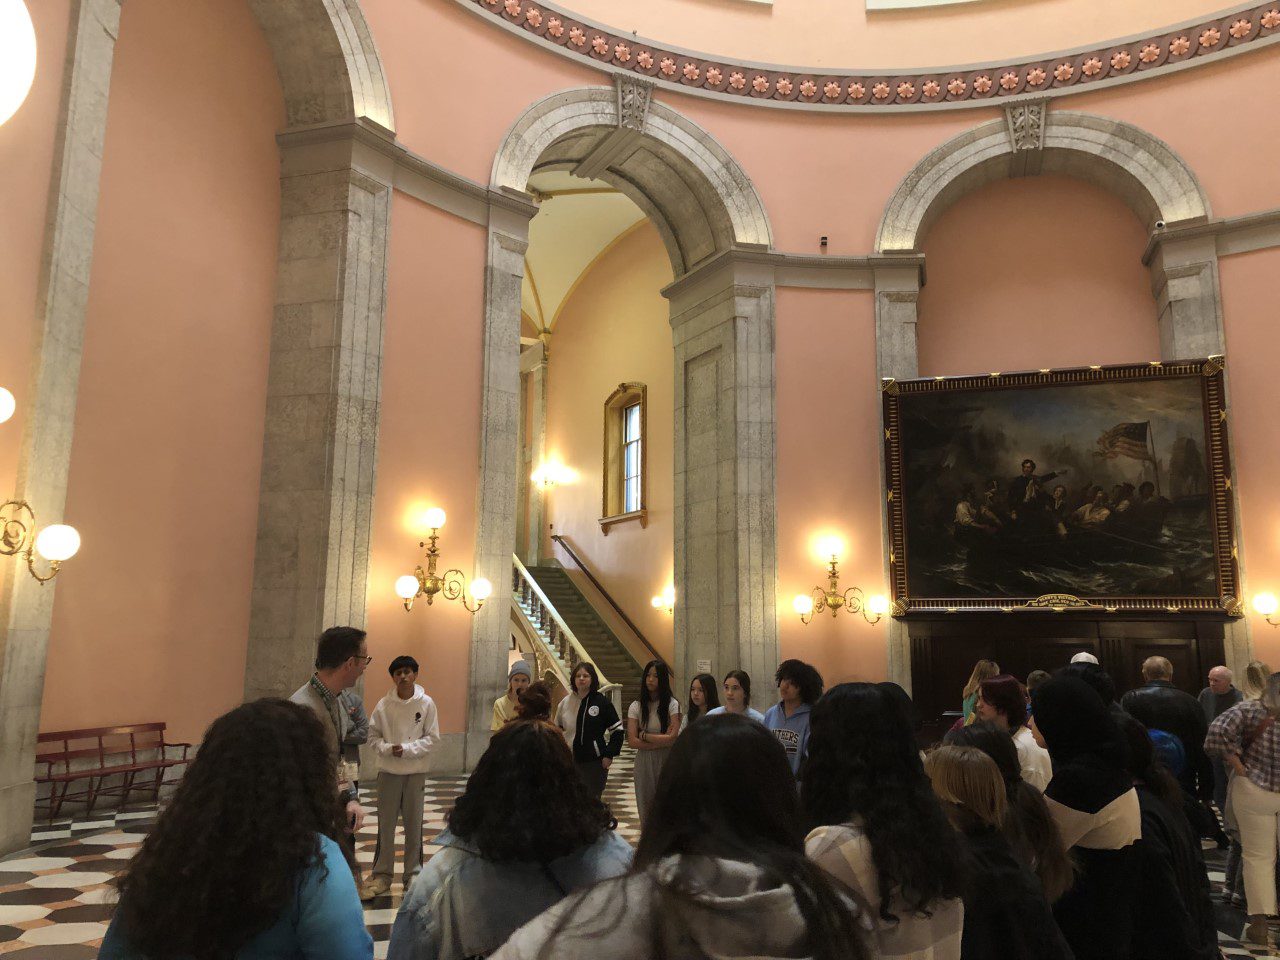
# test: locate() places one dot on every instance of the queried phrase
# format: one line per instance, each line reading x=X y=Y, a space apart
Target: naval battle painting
x=1101 y=487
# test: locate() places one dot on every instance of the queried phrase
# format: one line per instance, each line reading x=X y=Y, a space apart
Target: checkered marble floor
x=55 y=902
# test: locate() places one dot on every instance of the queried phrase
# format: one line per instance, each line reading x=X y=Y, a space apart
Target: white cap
x=1084 y=656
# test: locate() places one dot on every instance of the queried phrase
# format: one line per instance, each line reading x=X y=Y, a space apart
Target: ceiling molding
x=1210 y=39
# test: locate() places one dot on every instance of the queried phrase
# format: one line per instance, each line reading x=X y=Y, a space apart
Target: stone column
x=1184 y=282
x=725 y=517
x=897 y=288
x=320 y=448
x=499 y=449
x=534 y=364
x=26 y=607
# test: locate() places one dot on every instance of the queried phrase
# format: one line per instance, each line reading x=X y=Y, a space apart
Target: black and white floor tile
x=55 y=902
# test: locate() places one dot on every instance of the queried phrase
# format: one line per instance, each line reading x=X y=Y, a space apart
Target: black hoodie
x=598 y=732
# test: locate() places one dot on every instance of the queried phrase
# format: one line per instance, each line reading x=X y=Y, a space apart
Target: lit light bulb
x=1266 y=603
x=407 y=587
x=17 y=56
x=802 y=604
x=878 y=604
x=7 y=405
x=58 y=542
x=481 y=588
x=656 y=603
x=669 y=596
x=433 y=518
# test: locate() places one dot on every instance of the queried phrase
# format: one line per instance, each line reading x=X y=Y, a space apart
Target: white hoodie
x=411 y=723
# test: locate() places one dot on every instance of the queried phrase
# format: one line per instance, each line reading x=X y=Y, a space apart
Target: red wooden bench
x=96 y=753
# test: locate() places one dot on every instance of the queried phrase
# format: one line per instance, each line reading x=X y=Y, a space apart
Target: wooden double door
x=944 y=650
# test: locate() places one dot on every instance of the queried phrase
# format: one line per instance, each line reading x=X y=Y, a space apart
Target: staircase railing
x=608 y=598
x=559 y=647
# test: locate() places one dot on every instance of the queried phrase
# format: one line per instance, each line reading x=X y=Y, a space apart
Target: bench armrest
x=166 y=746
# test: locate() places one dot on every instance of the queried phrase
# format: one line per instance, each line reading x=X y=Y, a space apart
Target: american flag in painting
x=1125 y=440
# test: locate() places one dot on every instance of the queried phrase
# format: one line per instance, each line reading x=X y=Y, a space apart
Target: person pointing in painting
x=1027 y=486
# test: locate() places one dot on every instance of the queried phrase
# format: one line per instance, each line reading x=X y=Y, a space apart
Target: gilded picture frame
x=1104 y=489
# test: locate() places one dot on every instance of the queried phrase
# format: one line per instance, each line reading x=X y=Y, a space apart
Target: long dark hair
x=254 y=803
x=726 y=791
x=1029 y=827
x=589 y=668
x=708 y=684
x=863 y=762
x=663 y=695
x=525 y=801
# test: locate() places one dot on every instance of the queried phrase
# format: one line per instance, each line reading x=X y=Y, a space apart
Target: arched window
x=625 y=494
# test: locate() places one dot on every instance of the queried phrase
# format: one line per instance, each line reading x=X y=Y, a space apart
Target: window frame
x=613 y=499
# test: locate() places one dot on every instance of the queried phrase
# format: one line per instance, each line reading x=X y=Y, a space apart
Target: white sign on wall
x=704 y=666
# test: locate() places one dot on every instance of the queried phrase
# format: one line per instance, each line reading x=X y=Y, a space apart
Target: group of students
x=875 y=850
x=656 y=719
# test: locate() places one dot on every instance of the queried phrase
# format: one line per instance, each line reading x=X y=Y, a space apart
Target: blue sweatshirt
x=792 y=732
x=324 y=922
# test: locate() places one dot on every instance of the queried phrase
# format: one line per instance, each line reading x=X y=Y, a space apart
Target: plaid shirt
x=1228 y=733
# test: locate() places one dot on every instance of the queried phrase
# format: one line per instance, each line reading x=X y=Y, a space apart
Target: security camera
x=1159 y=224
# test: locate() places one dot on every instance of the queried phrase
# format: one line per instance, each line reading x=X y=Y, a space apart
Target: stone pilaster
x=1184 y=282
x=26 y=607
x=320 y=447
x=725 y=515
x=897 y=289
x=536 y=364
x=499 y=450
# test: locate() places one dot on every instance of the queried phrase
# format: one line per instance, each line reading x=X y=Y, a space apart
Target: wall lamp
x=452 y=585
x=1267 y=604
x=852 y=600
x=548 y=475
x=55 y=543
x=666 y=600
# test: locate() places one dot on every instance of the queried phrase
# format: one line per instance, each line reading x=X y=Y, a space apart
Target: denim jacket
x=462 y=905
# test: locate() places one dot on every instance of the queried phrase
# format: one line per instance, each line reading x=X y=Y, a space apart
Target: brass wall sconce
x=55 y=543
x=666 y=600
x=452 y=585
x=1267 y=604
x=852 y=600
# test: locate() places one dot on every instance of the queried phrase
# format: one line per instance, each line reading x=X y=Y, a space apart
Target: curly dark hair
x=1029 y=826
x=525 y=801
x=224 y=857
x=863 y=762
x=805 y=676
x=535 y=702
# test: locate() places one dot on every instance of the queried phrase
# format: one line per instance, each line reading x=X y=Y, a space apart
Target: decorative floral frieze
x=1210 y=39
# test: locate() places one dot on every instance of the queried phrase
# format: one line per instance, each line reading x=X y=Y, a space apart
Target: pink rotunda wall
x=151 y=617
x=1036 y=272
x=428 y=446
x=26 y=157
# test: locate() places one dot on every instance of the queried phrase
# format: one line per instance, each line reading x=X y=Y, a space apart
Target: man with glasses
x=341 y=658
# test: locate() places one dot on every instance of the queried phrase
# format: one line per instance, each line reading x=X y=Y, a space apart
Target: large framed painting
x=1104 y=488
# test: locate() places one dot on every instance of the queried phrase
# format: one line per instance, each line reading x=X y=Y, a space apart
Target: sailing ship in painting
x=1096 y=490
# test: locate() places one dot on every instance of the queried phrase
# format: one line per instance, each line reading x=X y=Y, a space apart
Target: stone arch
x=1139 y=168
x=698 y=196
x=328 y=65
x=722 y=318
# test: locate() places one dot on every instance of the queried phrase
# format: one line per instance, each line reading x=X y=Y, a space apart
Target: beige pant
x=399 y=795
x=1257 y=812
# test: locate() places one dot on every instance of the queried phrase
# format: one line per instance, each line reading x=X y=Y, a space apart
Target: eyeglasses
x=367 y=660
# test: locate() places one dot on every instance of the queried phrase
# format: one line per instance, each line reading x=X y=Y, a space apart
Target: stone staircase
x=617 y=665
